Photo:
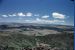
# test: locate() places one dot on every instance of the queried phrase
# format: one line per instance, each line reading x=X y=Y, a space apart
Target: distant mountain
x=38 y=29
x=28 y=24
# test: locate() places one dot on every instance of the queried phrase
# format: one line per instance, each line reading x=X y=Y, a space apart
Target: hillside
x=27 y=36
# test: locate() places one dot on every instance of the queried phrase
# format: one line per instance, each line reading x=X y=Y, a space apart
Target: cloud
x=21 y=14
x=36 y=14
x=12 y=15
x=37 y=19
x=4 y=16
x=46 y=16
x=59 y=21
x=9 y=15
x=27 y=20
x=58 y=15
x=29 y=14
x=43 y=21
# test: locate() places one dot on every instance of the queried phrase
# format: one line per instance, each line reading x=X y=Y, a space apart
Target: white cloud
x=58 y=15
x=46 y=16
x=21 y=14
x=59 y=21
x=11 y=15
x=37 y=19
x=5 y=16
x=29 y=14
x=43 y=21
x=36 y=14
x=14 y=15
x=27 y=20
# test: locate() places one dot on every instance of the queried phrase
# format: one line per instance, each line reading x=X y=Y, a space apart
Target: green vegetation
x=19 y=41
x=16 y=38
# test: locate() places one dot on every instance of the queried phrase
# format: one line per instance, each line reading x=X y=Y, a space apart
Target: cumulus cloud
x=58 y=15
x=12 y=15
x=29 y=14
x=21 y=14
x=4 y=16
x=46 y=16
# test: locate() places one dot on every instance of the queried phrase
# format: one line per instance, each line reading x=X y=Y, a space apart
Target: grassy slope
x=54 y=40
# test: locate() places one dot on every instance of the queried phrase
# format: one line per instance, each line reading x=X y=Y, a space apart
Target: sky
x=37 y=11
